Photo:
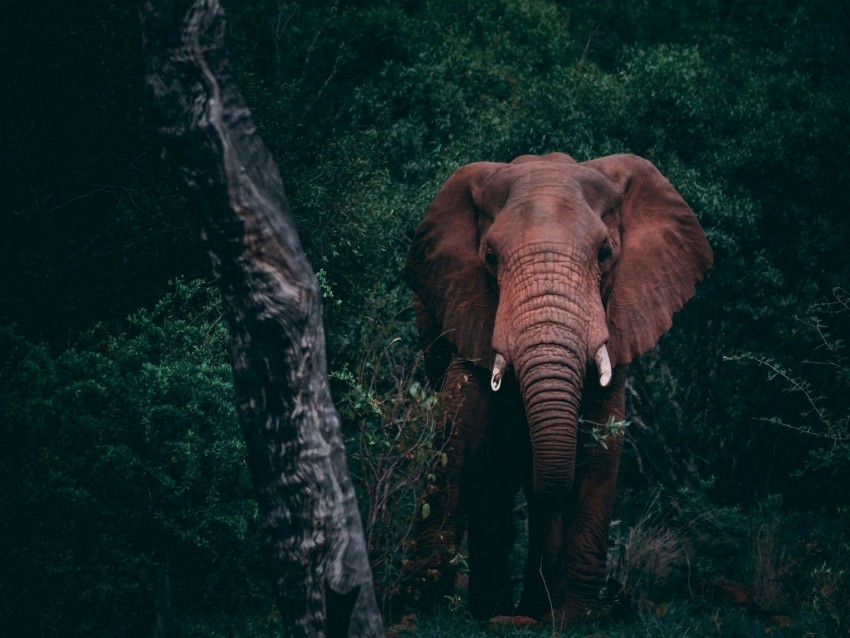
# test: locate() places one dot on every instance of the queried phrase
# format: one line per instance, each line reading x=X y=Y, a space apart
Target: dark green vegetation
x=119 y=456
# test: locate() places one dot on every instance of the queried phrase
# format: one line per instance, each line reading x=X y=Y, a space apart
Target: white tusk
x=603 y=363
x=498 y=368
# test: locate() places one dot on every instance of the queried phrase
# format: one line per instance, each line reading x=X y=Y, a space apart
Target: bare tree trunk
x=311 y=528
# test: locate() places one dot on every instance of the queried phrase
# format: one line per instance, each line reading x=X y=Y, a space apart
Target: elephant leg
x=568 y=542
x=490 y=484
x=545 y=525
x=433 y=569
x=583 y=557
x=491 y=537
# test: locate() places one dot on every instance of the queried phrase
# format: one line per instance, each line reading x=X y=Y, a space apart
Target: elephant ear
x=663 y=253
x=458 y=302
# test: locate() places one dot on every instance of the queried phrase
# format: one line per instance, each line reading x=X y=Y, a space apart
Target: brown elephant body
x=535 y=284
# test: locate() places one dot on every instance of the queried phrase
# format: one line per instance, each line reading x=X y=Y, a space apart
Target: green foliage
x=601 y=433
x=390 y=432
x=119 y=456
x=690 y=567
x=682 y=558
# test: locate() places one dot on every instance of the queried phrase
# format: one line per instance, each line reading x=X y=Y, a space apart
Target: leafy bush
x=777 y=568
x=119 y=457
x=390 y=427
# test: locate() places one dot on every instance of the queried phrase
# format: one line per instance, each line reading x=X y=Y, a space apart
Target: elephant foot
x=516 y=622
x=526 y=610
x=534 y=602
x=484 y=612
x=611 y=601
x=575 y=614
x=490 y=602
x=564 y=614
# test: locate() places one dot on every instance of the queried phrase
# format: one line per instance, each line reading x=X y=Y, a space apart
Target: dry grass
x=770 y=566
x=648 y=553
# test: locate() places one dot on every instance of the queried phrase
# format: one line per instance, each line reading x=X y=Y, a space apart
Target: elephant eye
x=604 y=251
x=490 y=258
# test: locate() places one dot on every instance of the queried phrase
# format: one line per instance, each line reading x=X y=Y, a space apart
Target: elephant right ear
x=663 y=254
x=458 y=302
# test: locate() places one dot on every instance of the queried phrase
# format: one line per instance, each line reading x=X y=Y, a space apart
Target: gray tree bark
x=311 y=528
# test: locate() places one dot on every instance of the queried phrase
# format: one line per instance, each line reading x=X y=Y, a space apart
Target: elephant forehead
x=520 y=229
x=536 y=184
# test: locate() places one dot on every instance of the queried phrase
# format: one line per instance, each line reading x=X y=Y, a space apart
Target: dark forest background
x=120 y=459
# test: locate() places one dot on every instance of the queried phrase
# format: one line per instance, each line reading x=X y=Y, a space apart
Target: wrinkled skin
x=534 y=266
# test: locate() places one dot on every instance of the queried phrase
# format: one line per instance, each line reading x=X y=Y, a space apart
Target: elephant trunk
x=543 y=328
x=550 y=362
x=551 y=390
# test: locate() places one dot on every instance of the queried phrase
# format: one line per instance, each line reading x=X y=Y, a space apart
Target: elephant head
x=559 y=270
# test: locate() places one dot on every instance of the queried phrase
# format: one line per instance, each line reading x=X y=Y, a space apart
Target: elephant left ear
x=663 y=253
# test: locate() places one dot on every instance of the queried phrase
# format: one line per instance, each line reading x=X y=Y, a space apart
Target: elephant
x=535 y=283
